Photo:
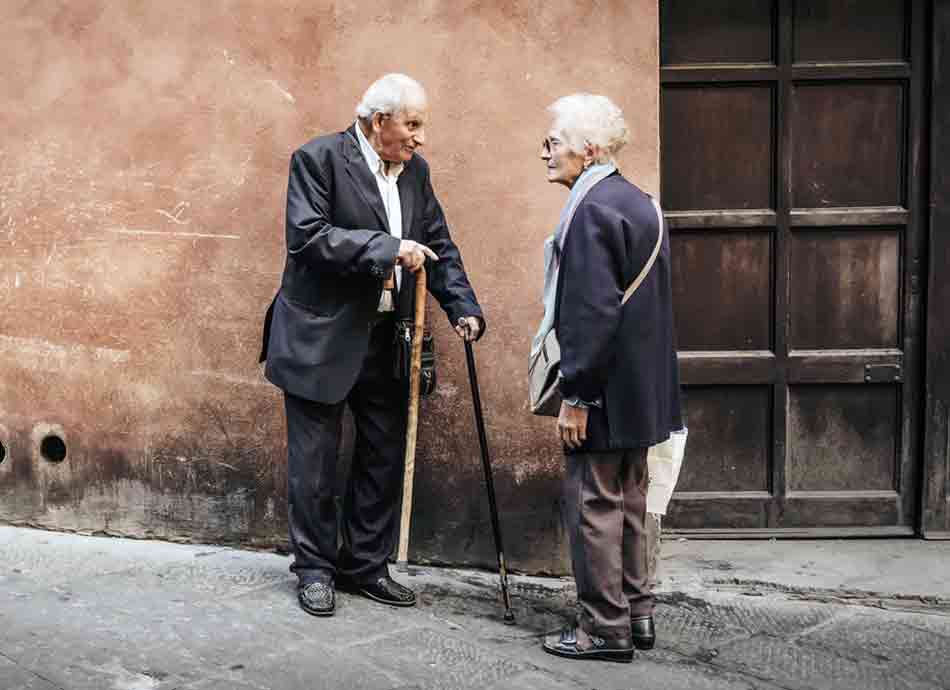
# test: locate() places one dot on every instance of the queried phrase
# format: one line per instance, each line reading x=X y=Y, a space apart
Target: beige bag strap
x=656 y=251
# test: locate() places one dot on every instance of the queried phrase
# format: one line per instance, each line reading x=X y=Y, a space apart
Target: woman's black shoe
x=643 y=632
x=569 y=646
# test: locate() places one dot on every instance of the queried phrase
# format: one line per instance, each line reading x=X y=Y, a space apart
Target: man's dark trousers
x=378 y=404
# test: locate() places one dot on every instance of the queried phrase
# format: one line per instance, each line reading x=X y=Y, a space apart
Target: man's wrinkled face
x=400 y=134
x=564 y=165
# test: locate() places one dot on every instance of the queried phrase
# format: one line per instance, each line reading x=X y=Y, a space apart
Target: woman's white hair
x=391 y=94
x=586 y=118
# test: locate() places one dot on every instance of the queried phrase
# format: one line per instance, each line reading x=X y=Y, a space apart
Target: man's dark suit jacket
x=625 y=355
x=339 y=251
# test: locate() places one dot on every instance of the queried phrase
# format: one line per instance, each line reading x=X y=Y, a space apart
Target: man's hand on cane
x=413 y=255
x=468 y=328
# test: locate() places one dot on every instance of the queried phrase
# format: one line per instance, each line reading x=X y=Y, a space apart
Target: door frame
x=934 y=520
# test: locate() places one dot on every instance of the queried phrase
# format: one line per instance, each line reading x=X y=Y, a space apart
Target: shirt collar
x=373 y=160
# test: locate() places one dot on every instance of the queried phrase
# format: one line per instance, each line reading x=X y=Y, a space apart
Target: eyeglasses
x=550 y=144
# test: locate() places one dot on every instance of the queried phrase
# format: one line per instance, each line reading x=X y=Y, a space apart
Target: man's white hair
x=586 y=118
x=391 y=94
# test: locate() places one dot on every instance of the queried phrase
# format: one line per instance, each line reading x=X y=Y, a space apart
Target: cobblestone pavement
x=81 y=613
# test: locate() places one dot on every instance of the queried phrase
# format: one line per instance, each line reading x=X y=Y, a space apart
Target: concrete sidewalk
x=81 y=613
x=895 y=570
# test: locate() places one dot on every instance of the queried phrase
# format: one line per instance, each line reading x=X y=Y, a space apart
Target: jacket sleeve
x=447 y=279
x=589 y=293
x=311 y=237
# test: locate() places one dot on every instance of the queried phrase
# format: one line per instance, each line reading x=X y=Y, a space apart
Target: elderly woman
x=618 y=373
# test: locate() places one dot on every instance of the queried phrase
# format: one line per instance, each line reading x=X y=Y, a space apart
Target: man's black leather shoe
x=568 y=645
x=384 y=590
x=643 y=632
x=317 y=598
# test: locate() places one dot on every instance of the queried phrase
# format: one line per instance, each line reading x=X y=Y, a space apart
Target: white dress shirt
x=389 y=191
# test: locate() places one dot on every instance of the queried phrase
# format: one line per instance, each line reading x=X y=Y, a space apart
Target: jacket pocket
x=316 y=310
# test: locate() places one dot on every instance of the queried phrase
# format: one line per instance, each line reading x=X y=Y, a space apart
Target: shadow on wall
x=221 y=485
x=214 y=480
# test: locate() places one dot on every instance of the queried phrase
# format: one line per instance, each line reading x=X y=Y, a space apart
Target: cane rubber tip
x=509 y=618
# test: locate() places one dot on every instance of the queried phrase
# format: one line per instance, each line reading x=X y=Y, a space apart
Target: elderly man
x=362 y=219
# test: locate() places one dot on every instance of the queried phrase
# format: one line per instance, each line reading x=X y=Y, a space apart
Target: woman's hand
x=572 y=425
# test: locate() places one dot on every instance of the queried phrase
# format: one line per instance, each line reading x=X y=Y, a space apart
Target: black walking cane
x=490 y=485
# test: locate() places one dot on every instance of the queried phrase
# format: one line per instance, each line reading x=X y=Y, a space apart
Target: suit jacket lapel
x=359 y=171
x=406 y=199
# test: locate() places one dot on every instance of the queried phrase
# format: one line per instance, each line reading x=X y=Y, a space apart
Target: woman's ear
x=590 y=154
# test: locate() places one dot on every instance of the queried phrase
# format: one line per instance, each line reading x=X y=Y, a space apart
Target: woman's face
x=564 y=166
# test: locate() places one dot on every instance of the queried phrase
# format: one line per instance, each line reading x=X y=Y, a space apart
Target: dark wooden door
x=790 y=162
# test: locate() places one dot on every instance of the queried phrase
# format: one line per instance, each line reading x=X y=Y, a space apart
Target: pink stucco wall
x=143 y=158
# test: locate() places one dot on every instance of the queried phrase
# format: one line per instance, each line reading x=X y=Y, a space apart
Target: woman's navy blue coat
x=623 y=355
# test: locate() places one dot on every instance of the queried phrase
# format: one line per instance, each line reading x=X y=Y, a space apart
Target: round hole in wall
x=53 y=448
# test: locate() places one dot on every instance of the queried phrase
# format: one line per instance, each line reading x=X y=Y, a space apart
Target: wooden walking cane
x=415 y=371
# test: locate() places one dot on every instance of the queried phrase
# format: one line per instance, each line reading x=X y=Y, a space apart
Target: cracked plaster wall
x=143 y=158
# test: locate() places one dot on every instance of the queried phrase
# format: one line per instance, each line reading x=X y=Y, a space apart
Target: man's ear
x=377 y=122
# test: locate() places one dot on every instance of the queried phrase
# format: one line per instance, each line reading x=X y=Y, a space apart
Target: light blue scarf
x=555 y=243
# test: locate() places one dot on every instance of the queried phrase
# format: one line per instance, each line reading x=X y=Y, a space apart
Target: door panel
x=849 y=30
x=789 y=139
x=844 y=291
x=708 y=32
x=726 y=161
x=847 y=145
x=843 y=437
x=721 y=287
x=734 y=423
